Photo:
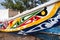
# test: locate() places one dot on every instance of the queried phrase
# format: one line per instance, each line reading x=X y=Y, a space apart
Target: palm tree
x=15 y=5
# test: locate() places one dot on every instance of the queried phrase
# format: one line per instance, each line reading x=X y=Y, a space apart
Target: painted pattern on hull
x=14 y=24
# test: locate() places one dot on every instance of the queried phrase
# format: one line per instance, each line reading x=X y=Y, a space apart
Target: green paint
x=25 y=18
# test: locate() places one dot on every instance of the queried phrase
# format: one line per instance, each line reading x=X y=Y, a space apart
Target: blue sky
x=1 y=7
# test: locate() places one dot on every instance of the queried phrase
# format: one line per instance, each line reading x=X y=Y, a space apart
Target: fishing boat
x=30 y=18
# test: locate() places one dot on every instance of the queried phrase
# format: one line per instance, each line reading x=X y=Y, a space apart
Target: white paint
x=4 y=14
x=49 y=8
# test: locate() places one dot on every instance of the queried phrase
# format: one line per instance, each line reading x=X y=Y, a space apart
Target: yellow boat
x=35 y=16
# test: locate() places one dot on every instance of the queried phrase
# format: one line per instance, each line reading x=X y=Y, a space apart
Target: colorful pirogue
x=34 y=18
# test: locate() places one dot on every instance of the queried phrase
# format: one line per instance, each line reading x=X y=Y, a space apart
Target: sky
x=1 y=7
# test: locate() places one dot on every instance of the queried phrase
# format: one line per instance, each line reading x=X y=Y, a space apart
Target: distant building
x=7 y=13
